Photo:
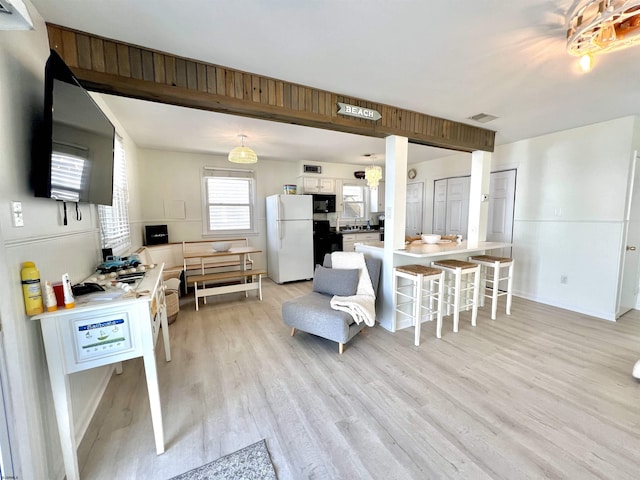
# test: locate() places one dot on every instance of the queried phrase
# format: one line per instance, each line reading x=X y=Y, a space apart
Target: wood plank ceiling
x=114 y=67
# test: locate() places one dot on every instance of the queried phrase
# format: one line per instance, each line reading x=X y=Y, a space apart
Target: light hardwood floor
x=543 y=393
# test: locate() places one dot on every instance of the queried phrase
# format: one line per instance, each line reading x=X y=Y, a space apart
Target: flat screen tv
x=73 y=159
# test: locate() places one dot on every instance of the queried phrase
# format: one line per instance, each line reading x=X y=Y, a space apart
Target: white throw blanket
x=362 y=305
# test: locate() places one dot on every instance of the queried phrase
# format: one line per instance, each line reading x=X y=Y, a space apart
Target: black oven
x=324 y=203
x=324 y=241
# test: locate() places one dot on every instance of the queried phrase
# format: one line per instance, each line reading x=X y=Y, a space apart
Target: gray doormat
x=250 y=463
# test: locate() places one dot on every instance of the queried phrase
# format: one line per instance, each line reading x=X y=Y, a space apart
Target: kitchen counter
x=373 y=229
x=425 y=250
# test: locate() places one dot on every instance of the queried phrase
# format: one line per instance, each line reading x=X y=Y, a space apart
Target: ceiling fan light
x=586 y=62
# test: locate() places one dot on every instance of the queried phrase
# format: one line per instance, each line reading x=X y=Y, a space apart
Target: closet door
x=457 y=217
x=439 y=207
x=415 y=202
x=502 y=197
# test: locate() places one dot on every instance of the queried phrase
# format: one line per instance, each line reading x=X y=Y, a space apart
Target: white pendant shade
x=242 y=154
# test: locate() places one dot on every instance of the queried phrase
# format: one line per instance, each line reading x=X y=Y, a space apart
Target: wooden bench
x=175 y=266
x=203 y=291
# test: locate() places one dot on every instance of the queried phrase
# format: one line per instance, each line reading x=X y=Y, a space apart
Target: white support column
x=395 y=214
x=479 y=197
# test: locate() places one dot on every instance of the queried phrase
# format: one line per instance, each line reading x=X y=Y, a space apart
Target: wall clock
x=411 y=173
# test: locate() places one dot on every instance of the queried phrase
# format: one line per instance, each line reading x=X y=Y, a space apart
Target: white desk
x=100 y=332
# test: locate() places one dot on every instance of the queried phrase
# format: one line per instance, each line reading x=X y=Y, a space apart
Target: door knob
x=632 y=248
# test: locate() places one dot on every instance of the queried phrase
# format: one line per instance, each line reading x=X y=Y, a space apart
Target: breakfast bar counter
x=423 y=250
x=414 y=253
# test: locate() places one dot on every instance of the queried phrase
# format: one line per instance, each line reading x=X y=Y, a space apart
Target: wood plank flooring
x=543 y=393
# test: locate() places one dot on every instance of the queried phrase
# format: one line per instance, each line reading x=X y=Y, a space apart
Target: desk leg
x=243 y=269
x=164 y=324
x=61 y=390
x=151 y=374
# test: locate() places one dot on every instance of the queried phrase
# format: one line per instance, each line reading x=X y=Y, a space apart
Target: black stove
x=325 y=240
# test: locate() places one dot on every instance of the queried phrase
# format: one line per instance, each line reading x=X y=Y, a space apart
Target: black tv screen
x=74 y=159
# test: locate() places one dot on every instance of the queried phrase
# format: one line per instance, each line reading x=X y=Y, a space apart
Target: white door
x=628 y=289
x=415 y=202
x=439 y=207
x=457 y=206
x=502 y=195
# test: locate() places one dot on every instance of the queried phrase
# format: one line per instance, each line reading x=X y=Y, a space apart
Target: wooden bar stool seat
x=415 y=295
x=456 y=292
x=491 y=273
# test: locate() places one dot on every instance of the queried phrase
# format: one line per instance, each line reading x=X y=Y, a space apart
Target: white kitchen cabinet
x=317 y=184
x=350 y=239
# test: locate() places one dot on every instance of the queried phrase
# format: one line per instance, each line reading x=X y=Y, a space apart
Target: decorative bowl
x=221 y=246
x=431 y=238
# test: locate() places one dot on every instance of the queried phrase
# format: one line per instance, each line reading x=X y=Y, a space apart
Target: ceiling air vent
x=14 y=16
x=312 y=169
x=483 y=118
x=5 y=7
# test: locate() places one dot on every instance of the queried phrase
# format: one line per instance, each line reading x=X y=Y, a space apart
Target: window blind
x=114 y=220
x=229 y=201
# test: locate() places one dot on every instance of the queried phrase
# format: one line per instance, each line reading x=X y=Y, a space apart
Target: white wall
x=54 y=247
x=569 y=210
x=171 y=178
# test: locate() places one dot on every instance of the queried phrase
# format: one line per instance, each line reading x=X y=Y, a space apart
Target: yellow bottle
x=31 y=288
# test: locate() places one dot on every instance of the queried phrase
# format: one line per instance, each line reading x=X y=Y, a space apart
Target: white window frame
x=115 y=231
x=235 y=174
x=346 y=202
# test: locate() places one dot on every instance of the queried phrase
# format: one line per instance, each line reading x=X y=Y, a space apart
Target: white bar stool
x=455 y=270
x=491 y=267
x=417 y=292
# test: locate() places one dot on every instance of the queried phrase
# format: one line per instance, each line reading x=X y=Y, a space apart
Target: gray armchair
x=312 y=313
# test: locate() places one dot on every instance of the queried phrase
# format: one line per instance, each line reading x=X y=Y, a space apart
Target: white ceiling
x=448 y=59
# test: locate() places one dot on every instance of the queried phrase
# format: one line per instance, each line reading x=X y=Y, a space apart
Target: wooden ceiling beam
x=111 y=66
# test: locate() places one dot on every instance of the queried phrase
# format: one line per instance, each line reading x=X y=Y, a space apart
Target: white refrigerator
x=289 y=237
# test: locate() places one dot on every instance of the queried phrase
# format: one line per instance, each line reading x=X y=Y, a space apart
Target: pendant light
x=372 y=174
x=242 y=154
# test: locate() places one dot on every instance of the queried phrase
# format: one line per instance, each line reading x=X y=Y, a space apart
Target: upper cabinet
x=309 y=184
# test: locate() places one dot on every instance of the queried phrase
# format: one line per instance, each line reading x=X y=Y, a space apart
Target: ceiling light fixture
x=242 y=154
x=600 y=26
x=372 y=173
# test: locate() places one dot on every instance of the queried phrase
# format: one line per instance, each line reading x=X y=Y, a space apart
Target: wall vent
x=312 y=169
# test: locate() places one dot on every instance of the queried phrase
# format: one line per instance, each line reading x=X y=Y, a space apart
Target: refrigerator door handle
x=280 y=228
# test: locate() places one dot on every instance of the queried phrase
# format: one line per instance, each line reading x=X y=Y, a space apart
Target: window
x=228 y=201
x=114 y=220
x=353 y=201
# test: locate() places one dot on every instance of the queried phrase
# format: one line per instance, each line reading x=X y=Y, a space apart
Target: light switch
x=16 y=214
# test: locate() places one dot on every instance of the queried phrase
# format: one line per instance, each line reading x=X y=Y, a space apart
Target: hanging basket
x=173 y=305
